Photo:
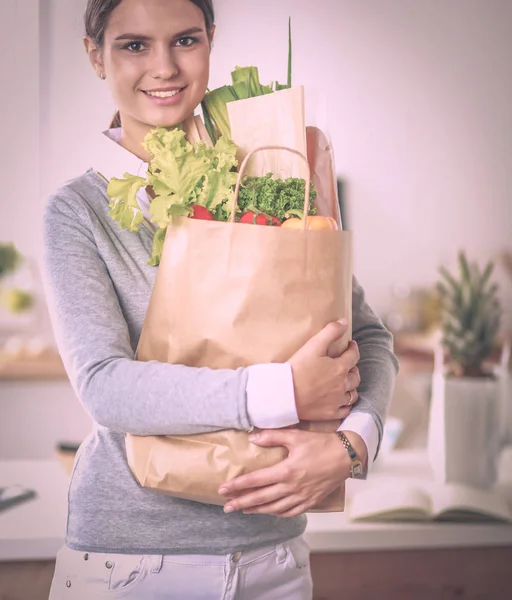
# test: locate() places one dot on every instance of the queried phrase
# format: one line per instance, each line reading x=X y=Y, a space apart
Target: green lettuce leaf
x=219 y=182
x=158 y=247
x=181 y=174
x=124 y=207
x=175 y=162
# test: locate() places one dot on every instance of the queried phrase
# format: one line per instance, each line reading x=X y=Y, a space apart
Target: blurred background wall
x=419 y=97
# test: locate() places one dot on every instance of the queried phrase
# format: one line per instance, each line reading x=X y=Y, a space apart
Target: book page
x=394 y=502
x=459 y=502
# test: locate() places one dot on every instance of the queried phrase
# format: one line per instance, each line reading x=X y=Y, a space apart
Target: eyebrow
x=138 y=36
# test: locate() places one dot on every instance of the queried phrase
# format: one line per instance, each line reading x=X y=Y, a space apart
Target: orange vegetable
x=313 y=222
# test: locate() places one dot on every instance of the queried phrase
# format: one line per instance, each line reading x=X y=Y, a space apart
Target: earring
x=102 y=75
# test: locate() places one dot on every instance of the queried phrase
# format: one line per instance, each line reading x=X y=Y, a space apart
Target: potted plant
x=12 y=298
x=463 y=437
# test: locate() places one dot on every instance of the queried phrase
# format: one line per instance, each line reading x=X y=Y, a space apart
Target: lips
x=163 y=94
x=165 y=97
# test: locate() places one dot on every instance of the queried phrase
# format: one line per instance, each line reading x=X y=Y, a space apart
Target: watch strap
x=356 y=465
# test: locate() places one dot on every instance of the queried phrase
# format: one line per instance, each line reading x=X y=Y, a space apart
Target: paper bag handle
x=242 y=169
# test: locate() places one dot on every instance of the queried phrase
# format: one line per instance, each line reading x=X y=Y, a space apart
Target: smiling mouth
x=163 y=93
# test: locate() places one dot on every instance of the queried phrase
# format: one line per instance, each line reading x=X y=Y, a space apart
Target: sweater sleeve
x=117 y=391
x=378 y=365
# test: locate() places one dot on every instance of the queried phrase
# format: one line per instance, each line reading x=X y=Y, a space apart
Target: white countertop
x=35 y=529
x=334 y=533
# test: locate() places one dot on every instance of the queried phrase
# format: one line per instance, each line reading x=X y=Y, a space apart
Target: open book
x=449 y=502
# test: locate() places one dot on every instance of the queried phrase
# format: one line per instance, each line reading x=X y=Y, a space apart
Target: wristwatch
x=356 y=465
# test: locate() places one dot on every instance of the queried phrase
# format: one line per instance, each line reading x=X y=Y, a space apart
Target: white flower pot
x=464 y=430
x=505 y=419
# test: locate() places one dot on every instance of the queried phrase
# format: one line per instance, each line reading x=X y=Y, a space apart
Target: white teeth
x=164 y=94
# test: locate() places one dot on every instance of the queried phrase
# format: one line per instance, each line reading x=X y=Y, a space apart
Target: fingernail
x=228 y=508
x=343 y=322
x=223 y=490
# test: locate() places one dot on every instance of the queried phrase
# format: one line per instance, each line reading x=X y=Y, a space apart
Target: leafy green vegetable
x=208 y=123
x=289 y=78
x=158 y=247
x=10 y=258
x=290 y=52
x=281 y=198
x=248 y=78
x=180 y=174
x=214 y=105
x=124 y=206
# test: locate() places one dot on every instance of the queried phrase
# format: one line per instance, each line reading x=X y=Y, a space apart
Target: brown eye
x=134 y=47
x=186 y=42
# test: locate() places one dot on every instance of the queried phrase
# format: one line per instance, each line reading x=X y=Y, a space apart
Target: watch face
x=357 y=470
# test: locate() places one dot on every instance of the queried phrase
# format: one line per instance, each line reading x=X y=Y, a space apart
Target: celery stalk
x=250 y=77
x=241 y=90
x=208 y=123
x=285 y=86
x=215 y=102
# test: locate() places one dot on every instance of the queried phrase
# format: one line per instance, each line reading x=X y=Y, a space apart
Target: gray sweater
x=98 y=287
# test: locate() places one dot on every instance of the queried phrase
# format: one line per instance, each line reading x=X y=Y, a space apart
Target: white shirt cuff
x=364 y=425
x=271 y=396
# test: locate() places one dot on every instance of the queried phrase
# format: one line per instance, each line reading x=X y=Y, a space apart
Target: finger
x=350 y=357
x=353 y=379
x=328 y=335
x=256 y=479
x=300 y=509
x=273 y=508
x=265 y=495
x=343 y=412
x=276 y=437
x=350 y=398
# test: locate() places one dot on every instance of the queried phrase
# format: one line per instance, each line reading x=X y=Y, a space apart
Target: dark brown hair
x=97 y=15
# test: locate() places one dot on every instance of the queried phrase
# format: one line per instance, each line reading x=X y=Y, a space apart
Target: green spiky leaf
x=471 y=315
x=289 y=52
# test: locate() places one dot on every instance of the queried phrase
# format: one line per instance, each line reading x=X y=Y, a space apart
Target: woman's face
x=156 y=59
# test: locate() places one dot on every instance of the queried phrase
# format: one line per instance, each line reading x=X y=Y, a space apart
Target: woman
x=124 y=540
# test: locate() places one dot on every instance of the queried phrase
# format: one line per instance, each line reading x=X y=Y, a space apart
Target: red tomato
x=247 y=217
x=260 y=219
x=200 y=212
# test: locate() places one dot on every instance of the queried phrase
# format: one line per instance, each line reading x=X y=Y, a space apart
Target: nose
x=164 y=64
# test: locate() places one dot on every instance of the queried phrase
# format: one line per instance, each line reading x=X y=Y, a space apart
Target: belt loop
x=155 y=562
x=281 y=553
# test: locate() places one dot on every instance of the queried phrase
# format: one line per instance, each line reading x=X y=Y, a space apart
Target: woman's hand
x=325 y=386
x=316 y=465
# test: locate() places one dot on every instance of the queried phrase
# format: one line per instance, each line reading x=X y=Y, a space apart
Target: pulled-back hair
x=97 y=15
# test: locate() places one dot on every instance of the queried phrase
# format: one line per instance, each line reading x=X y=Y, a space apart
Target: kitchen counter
x=35 y=529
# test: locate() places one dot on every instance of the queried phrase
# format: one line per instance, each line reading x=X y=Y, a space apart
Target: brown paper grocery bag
x=276 y=119
x=323 y=173
x=253 y=294
x=228 y=450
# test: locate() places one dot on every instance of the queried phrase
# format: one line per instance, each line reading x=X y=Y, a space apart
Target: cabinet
x=447 y=574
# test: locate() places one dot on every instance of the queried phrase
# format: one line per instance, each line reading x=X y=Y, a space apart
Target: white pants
x=279 y=572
